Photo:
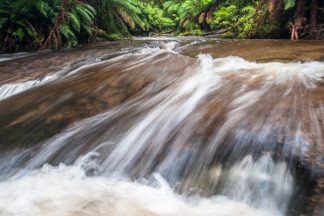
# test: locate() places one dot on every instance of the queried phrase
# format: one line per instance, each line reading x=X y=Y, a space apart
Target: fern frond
x=74 y=22
x=67 y=32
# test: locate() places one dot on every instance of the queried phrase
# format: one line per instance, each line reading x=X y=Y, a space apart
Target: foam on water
x=8 y=90
x=159 y=136
x=262 y=183
x=68 y=191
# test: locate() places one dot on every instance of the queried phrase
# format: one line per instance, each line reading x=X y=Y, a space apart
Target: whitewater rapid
x=205 y=144
x=69 y=191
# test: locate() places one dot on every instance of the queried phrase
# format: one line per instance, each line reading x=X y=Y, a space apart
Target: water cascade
x=167 y=135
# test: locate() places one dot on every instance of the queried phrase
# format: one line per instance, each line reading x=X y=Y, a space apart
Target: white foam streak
x=161 y=121
x=67 y=191
x=262 y=183
x=306 y=73
x=8 y=90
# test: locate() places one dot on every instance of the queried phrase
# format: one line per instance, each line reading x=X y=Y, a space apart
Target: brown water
x=169 y=126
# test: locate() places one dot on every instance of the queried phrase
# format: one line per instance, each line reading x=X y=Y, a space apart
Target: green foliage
x=194 y=32
x=225 y=17
x=289 y=4
x=69 y=36
x=74 y=22
x=14 y=23
x=156 y=19
x=188 y=13
x=171 y=7
x=46 y=24
x=120 y=16
x=34 y=24
x=237 y=21
x=81 y=18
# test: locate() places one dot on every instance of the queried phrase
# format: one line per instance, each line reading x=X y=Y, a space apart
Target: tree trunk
x=313 y=15
x=275 y=8
x=299 y=13
x=299 y=17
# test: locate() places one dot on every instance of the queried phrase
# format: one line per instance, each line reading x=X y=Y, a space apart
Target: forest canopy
x=40 y=24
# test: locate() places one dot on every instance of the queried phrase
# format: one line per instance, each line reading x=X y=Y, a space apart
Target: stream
x=185 y=126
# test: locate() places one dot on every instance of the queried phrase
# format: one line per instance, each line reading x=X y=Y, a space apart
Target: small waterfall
x=220 y=138
x=71 y=192
x=261 y=183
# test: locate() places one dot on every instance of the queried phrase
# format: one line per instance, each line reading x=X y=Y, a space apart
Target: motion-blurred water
x=161 y=133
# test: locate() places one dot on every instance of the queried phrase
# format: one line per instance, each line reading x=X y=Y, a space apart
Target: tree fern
x=84 y=14
x=120 y=16
x=44 y=23
x=71 y=39
x=188 y=11
x=74 y=22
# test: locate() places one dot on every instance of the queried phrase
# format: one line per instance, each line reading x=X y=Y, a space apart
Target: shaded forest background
x=41 y=24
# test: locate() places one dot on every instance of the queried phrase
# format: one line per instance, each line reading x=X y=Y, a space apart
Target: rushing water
x=155 y=132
